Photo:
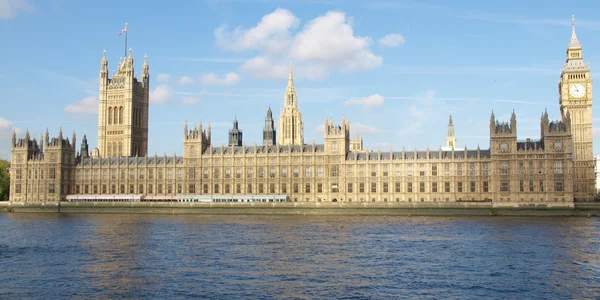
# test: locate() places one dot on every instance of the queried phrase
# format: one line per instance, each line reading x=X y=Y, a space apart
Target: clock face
x=577 y=90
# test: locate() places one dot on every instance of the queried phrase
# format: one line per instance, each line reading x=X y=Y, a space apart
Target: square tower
x=123 y=110
x=575 y=98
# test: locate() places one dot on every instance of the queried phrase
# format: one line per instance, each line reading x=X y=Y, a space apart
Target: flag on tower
x=124 y=29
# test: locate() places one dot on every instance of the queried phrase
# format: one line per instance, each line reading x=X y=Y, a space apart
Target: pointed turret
x=492 y=123
x=14 y=138
x=235 y=135
x=450 y=136
x=513 y=123
x=185 y=130
x=290 y=93
x=46 y=138
x=573 y=43
x=145 y=72
x=574 y=52
x=291 y=129
x=291 y=76
x=84 y=147
x=73 y=140
x=208 y=134
x=269 y=132
x=104 y=65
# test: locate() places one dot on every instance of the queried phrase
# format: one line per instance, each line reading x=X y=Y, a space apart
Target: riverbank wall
x=298 y=208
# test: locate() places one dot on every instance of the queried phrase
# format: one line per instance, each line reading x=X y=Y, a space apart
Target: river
x=297 y=257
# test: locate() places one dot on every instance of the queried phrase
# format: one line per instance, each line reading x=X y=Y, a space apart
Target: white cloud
x=326 y=42
x=5 y=124
x=330 y=40
x=419 y=114
x=216 y=60
x=10 y=8
x=263 y=67
x=213 y=79
x=186 y=80
x=190 y=100
x=270 y=35
x=162 y=94
x=391 y=40
x=163 y=78
x=87 y=105
x=429 y=97
x=362 y=129
x=367 y=102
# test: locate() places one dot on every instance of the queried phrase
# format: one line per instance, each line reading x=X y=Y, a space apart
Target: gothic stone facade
x=509 y=173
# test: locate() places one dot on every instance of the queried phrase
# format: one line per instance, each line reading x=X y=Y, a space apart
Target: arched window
x=109 y=115
x=121 y=115
x=115 y=115
x=120 y=149
x=115 y=153
x=108 y=150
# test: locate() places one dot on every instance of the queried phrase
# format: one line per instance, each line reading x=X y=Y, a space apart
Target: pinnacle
x=573 y=43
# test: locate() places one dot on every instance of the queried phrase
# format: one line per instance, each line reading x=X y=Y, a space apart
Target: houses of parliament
x=555 y=169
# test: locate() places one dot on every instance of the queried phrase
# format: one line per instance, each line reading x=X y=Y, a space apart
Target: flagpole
x=125 y=39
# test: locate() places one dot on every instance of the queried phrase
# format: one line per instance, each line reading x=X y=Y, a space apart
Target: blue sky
x=396 y=69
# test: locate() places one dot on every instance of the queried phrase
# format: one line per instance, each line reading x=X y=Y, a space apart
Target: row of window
x=334 y=171
x=36 y=174
x=433 y=187
x=530 y=186
x=115 y=115
x=505 y=167
x=295 y=188
x=36 y=189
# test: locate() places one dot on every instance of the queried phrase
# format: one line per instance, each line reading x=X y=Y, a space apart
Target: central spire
x=450 y=136
x=574 y=43
x=290 y=129
x=290 y=76
x=290 y=92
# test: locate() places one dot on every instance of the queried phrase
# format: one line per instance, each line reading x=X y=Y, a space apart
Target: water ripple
x=297 y=257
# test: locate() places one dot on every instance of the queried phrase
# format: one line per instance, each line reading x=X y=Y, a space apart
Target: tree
x=4 y=180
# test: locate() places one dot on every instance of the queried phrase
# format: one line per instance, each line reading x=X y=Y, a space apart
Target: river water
x=298 y=257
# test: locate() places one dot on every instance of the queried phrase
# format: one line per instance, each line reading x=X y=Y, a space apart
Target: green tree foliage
x=4 y=179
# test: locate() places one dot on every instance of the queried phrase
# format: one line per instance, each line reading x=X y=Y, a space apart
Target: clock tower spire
x=575 y=99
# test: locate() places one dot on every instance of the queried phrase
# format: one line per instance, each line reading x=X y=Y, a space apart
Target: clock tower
x=575 y=99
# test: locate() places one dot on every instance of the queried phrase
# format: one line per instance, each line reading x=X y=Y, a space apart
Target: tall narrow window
x=121 y=115
x=110 y=115
x=115 y=115
x=558 y=167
